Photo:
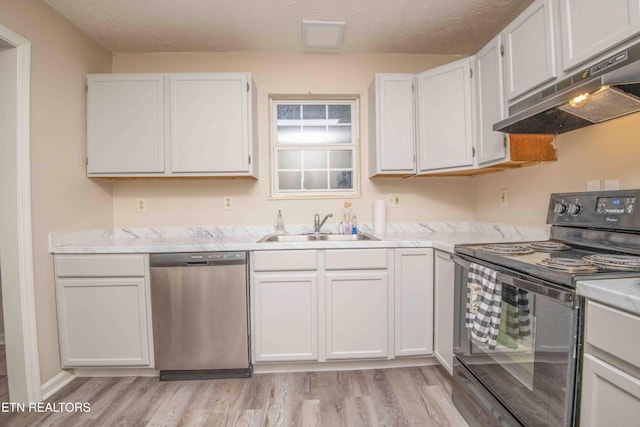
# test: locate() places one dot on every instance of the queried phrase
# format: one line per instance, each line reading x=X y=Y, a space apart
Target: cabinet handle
x=247 y=87
x=501 y=50
x=473 y=151
x=470 y=73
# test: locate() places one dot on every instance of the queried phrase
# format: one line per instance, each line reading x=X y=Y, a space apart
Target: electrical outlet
x=228 y=203
x=504 y=197
x=393 y=200
x=141 y=205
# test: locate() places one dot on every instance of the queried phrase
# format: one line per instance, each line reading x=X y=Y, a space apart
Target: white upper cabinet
x=171 y=125
x=209 y=117
x=392 y=144
x=530 y=50
x=446 y=117
x=491 y=145
x=125 y=124
x=590 y=27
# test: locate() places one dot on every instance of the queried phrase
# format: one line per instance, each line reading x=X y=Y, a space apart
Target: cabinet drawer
x=356 y=259
x=120 y=265
x=285 y=260
x=614 y=331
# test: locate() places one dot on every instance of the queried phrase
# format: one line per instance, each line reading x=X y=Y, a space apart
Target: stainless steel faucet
x=317 y=224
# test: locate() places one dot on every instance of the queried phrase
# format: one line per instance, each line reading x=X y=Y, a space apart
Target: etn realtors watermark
x=55 y=407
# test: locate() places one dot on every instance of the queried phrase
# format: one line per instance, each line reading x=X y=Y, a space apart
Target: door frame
x=21 y=338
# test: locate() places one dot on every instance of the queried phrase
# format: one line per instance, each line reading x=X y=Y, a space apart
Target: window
x=314 y=147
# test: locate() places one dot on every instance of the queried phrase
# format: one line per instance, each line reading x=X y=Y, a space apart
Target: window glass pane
x=341 y=179
x=340 y=112
x=314 y=135
x=315 y=180
x=288 y=112
x=289 y=180
x=289 y=159
x=340 y=159
x=289 y=135
x=339 y=135
x=314 y=112
x=315 y=159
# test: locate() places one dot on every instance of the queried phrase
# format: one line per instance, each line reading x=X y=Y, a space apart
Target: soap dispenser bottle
x=346 y=219
x=279 y=223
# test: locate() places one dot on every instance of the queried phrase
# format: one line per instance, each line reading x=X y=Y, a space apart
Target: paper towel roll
x=379 y=216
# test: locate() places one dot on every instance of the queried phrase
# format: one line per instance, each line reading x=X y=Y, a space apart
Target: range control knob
x=574 y=209
x=560 y=208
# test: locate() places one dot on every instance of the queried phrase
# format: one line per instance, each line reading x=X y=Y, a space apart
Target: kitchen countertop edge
x=623 y=294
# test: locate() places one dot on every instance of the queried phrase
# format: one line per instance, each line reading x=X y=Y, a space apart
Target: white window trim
x=315 y=194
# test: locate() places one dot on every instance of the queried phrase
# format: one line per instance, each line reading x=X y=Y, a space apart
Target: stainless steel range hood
x=601 y=92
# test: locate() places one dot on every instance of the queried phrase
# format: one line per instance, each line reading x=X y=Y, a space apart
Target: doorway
x=16 y=259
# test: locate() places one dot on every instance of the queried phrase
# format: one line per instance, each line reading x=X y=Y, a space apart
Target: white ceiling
x=373 y=26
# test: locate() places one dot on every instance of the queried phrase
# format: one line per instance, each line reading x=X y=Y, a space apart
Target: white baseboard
x=56 y=383
x=264 y=368
x=116 y=372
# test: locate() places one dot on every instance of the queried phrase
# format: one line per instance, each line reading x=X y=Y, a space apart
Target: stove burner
x=572 y=265
x=507 y=249
x=616 y=262
x=549 y=246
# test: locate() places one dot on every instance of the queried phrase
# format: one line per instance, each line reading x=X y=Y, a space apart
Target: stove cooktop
x=554 y=261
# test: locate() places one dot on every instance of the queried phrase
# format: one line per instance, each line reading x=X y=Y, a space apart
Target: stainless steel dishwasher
x=200 y=318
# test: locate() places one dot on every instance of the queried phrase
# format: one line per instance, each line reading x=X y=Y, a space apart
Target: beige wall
x=174 y=202
x=62 y=197
x=607 y=151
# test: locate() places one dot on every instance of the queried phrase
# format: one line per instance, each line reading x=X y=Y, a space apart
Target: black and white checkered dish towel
x=484 y=304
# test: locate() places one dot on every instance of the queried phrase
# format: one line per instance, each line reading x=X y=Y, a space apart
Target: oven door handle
x=549 y=290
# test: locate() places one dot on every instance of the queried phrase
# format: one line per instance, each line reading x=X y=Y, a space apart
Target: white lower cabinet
x=318 y=305
x=104 y=321
x=444 y=271
x=610 y=397
x=413 y=302
x=611 y=370
x=285 y=312
x=356 y=315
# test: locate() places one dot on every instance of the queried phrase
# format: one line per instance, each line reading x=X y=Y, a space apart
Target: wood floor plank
x=368 y=398
x=440 y=403
x=386 y=403
x=310 y=415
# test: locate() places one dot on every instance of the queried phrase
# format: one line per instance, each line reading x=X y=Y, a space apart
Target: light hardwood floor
x=380 y=397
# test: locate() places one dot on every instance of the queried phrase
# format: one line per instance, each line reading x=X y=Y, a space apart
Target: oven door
x=532 y=369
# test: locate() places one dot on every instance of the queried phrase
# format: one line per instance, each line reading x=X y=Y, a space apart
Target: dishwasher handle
x=196 y=259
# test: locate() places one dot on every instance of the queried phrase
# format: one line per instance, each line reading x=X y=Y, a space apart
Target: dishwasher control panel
x=197 y=258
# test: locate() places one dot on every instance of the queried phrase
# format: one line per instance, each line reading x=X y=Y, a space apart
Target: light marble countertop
x=438 y=235
x=623 y=294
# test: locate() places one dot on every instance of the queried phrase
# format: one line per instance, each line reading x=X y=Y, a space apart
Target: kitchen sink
x=291 y=238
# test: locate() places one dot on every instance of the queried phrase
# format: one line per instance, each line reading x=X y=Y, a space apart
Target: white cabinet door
x=491 y=145
x=103 y=321
x=445 y=117
x=590 y=27
x=356 y=315
x=209 y=120
x=285 y=316
x=444 y=270
x=413 y=302
x=391 y=125
x=530 y=52
x=125 y=124
x=610 y=397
